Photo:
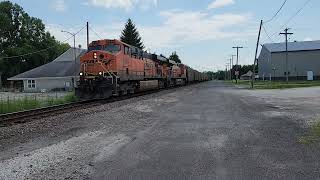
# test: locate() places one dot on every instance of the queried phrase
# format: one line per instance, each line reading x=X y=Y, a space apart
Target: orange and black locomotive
x=112 y=68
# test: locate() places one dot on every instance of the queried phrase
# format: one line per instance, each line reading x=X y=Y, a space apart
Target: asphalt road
x=205 y=131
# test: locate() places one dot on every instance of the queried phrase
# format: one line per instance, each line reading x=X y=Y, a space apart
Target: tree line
x=23 y=34
x=221 y=74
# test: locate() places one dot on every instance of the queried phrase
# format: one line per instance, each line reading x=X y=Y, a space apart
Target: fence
x=13 y=102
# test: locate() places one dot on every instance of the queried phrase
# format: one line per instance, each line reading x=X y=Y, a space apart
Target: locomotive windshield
x=112 y=48
x=92 y=48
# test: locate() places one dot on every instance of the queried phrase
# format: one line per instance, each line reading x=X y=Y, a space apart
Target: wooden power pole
x=88 y=35
x=255 y=57
x=286 y=33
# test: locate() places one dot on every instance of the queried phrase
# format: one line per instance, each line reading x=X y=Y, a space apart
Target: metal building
x=303 y=60
x=56 y=75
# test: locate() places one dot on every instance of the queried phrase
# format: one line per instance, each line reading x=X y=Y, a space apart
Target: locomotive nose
x=99 y=55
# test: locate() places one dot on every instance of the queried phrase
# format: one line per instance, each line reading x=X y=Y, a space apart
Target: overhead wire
x=35 y=52
x=293 y=16
x=266 y=32
x=275 y=15
x=95 y=32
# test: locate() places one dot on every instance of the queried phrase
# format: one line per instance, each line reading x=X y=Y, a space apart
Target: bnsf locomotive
x=112 y=68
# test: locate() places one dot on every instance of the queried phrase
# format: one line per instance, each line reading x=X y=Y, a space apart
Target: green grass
x=28 y=103
x=278 y=84
x=313 y=136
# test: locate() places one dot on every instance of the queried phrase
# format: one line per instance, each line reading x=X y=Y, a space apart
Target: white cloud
x=178 y=29
x=307 y=39
x=182 y=27
x=122 y=4
x=59 y=6
x=220 y=3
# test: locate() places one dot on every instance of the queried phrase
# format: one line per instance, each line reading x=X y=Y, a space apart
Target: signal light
x=81 y=74
x=94 y=55
x=100 y=73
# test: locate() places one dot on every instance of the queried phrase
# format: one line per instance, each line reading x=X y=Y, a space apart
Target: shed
x=246 y=76
x=303 y=57
x=59 y=74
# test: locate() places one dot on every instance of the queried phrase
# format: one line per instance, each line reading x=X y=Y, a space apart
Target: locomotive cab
x=97 y=71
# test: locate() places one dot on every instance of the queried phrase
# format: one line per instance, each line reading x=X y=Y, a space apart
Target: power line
x=35 y=52
x=293 y=16
x=275 y=15
x=264 y=29
x=95 y=32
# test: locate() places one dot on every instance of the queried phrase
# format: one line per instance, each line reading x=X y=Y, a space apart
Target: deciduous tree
x=23 y=34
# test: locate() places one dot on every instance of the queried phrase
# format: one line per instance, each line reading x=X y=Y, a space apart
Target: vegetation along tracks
x=10 y=119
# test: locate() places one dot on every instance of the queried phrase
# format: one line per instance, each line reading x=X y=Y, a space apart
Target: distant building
x=247 y=76
x=56 y=75
x=303 y=58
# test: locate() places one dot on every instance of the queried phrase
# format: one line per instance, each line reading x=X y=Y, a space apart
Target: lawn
x=278 y=84
x=10 y=105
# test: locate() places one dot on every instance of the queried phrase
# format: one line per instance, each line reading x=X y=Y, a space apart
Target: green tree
x=130 y=35
x=219 y=75
x=174 y=57
x=22 y=34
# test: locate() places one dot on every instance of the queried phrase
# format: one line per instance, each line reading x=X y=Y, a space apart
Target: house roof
x=248 y=74
x=62 y=66
x=293 y=46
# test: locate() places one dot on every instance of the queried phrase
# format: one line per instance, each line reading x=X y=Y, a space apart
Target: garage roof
x=62 y=66
x=293 y=46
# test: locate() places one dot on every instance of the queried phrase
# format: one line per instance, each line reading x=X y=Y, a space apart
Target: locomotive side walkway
x=210 y=130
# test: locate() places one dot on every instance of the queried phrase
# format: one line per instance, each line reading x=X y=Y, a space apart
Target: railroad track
x=30 y=115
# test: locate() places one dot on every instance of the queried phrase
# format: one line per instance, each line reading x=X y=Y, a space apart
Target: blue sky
x=201 y=31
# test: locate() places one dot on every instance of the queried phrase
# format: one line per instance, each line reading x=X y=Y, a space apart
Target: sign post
x=236 y=73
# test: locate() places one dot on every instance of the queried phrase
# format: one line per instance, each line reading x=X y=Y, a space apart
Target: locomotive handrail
x=110 y=73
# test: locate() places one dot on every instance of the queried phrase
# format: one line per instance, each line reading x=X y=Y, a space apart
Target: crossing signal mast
x=237 y=65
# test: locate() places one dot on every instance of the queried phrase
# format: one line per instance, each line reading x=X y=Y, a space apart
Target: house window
x=31 y=84
x=68 y=84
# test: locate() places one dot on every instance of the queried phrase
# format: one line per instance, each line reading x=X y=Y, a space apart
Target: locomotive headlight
x=81 y=74
x=94 y=55
x=100 y=73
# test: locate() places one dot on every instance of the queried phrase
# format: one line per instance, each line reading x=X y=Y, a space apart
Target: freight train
x=113 y=68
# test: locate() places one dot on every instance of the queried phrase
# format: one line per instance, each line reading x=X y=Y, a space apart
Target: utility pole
x=230 y=68
x=226 y=72
x=286 y=33
x=75 y=57
x=237 y=68
x=87 y=35
x=255 y=56
x=232 y=57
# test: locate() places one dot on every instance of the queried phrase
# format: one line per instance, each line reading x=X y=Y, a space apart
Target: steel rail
x=21 y=117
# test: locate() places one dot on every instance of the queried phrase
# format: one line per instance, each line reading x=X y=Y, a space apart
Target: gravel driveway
x=204 y=131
